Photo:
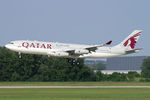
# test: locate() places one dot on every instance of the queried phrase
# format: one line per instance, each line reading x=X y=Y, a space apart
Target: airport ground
x=74 y=83
x=76 y=94
x=79 y=93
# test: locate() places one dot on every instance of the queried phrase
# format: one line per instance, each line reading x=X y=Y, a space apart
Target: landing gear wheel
x=19 y=53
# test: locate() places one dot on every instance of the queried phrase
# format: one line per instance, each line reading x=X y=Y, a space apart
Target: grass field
x=74 y=83
x=76 y=94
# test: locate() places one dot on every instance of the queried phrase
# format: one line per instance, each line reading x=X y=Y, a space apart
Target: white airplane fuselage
x=75 y=50
x=45 y=48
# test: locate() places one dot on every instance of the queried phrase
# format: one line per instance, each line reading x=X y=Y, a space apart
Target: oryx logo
x=132 y=40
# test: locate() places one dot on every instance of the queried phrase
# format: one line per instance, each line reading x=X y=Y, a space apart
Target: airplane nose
x=8 y=46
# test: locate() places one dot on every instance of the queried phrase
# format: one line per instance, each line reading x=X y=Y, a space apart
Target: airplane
x=76 y=50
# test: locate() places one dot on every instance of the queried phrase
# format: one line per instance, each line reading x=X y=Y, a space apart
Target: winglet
x=109 y=42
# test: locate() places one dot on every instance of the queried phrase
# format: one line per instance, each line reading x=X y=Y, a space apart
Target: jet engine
x=81 y=51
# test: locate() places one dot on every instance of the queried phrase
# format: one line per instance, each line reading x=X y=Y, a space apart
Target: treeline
x=43 y=68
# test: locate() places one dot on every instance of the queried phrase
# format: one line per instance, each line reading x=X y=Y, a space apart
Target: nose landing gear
x=19 y=53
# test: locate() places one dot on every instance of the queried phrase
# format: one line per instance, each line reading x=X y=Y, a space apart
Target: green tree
x=7 y=61
x=115 y=76
x=99 y=76
x=86 y=74
x=146 y=68
x=132 y=75
x=43 y=68
x=44 y=73
x=15 y=76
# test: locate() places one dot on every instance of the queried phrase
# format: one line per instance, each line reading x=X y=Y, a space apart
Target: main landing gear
x=73 y=61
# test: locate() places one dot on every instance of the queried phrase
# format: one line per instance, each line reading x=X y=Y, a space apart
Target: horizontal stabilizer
x=133 y=51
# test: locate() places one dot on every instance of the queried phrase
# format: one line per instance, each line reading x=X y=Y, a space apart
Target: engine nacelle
x=58 y=54
x=81 y=51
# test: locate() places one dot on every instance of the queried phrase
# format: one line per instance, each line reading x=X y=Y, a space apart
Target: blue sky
x=75 y=21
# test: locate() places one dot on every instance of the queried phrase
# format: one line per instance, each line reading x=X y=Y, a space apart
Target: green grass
x=74 y=83
x=76 y=94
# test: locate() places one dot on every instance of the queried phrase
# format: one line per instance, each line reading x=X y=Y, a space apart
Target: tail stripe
x=133 y=40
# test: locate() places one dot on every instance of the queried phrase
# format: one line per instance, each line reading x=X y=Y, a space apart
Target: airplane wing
x=87 y=49
x=93 y=48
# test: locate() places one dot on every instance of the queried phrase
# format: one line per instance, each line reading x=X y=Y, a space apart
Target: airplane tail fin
x=130 y=42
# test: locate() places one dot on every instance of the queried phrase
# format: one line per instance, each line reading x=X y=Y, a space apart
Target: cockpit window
x=11 y=43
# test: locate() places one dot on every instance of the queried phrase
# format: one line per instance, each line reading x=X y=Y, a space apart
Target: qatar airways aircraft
x=76 y=50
